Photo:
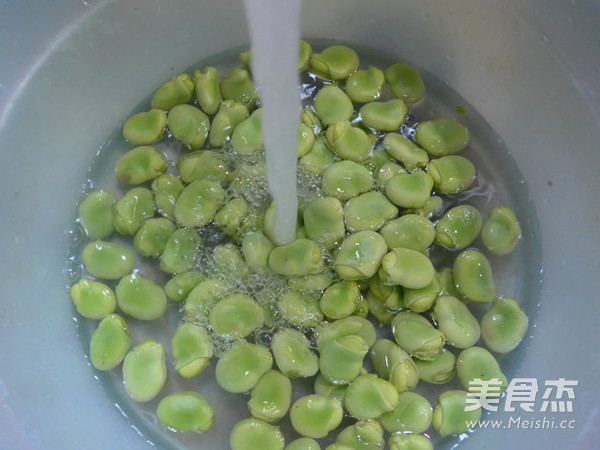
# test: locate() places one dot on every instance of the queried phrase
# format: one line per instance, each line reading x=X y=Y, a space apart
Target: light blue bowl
x=71 y=70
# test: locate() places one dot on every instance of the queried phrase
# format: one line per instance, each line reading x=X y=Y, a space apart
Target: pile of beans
x=359 y=268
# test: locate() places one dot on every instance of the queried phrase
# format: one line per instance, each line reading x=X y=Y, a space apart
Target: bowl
x=73 y=70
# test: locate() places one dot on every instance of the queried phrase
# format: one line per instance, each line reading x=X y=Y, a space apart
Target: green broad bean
x=139 y=165
x=140 y=297
x=364 y=434
x=368 y=397
x=449 y=416
x=145 y=128
x=204 y=164
x=390 y=296
x=271 y=397
x=228 y=117
x=203 y=297
x=304 y=55
x=421 y=300
x=409 y=441
x=198 y=203
x=378 y=309
x=324 y=221
x=406 y=267
x=341 y=358
x=153 y=235
x=365 y=86
x=409 y=231
x=332 y=105
x=132 y=210
x=228 y=259
x=207 y=85
x=352 y=325
x=309 y=118
x=394 y=365
x=181 y=251
x=348 y=142
x=346 y=179
x=188 y=125
x=323 y=387
x=362 y=308
x=440 y=370
x=406 y=151
x=432 y=207
x=360 y=255
x=96 y=214
x=245 y=178
x=377 y=159
x=374 y=136
x=255 y=434
x=458 y=324
x=476 y=363
x=405 y=82
x=231 y=216
x=459 y=227
x=334 y=63
x=186 y=411
x=409 y=190
x=314 y=416
x=441 y=137
x=504 y=325
x=93 y=299
x=445 y=279
x=369 y=211
x=297 y=258
x=388 y=171
x=299 y=310
x=306 y=140
x=145 y=370
x=451 y=174
x=192 y=349
x=176 y=91
x=166 y=188
x=292 y=354
x=412 y=413
x=236 y=316
x=238 y=86
x=256 y=248
x=473 y=277
x=110 y=342
x=303 y=444
x=340 y=299
x=107 y=260
x=246 y=59
x=384 y=116
x=314 y=283
x=240 y=367
x=301 y=232
x=501 y=232
x=247 y=138
x=338 y=446
x=416 y=336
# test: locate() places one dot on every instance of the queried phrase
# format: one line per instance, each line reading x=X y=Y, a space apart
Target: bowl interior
x=500 y=58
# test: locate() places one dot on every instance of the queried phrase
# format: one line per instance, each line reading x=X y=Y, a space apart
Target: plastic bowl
x=72 y=70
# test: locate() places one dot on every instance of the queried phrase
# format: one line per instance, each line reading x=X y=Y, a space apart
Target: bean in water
x=377 y=210
x=186 y=411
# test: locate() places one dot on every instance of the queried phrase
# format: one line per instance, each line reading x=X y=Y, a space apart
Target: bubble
x=72 y=272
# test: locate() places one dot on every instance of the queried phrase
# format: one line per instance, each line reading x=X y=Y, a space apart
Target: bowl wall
x=74 y=69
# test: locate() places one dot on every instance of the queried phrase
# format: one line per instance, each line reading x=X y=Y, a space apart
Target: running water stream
x=275 y=37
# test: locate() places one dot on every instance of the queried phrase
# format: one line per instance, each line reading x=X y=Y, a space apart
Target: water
x=498 y=183
x=275 y=37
